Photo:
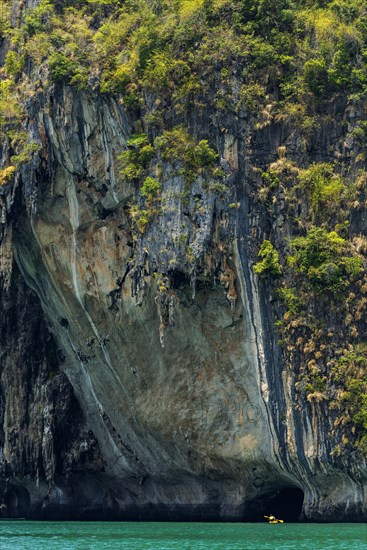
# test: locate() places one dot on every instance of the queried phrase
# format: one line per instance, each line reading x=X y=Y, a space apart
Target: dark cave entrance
x=285 y=503
x=178 y=279
x=16 y=501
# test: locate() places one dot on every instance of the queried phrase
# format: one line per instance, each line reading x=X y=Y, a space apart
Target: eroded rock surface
x=167 y=339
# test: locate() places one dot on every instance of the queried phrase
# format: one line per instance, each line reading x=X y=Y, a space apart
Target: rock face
x=44 y=437
x=183 y=407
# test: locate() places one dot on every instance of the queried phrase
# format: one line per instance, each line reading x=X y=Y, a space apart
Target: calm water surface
x=27 y=535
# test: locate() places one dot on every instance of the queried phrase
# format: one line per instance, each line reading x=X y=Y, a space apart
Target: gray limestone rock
x=167 y=340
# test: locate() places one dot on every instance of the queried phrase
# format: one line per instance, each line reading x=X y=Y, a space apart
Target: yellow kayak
x=276 y=521
x=273 y=519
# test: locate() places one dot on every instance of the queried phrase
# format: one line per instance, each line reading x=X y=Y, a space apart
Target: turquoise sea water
x=28 y=535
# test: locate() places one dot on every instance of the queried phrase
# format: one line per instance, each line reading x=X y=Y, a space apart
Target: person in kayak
x=273 y=519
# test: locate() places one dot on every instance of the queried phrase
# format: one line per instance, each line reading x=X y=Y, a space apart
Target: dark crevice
x=15 y=501
x=287 y=504
x=284 y=503
x=178 y=279
x=115 y=294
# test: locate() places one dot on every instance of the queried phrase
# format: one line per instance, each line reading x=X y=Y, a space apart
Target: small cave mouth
x=178 y=279
x=285 y=504
x=64 y=322
x=15 y=502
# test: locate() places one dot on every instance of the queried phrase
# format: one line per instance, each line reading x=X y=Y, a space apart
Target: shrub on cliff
x=316 y=77
x=7 y=174
x=14 y=64
x=177 y=146
x=150 y=188
x=349 y=374
x=324 y=259
x=135 y=160
x=322 y=185
x=269 y=260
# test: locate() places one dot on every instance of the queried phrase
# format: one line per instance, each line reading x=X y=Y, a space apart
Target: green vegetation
x=322 y=185
x=141 y=217
x=7 y=174
x=324 y=259
x=290 y=299
x=5 y=18
x=178 y=147
x=20 y=147
x=150 y=189
x=322 y=328
x=135 y=160
x=198 y=63
x=349 y=374
x=189 y=158
x=14 y=64
x=288 y=51
x=269 y=263
x=175 y=146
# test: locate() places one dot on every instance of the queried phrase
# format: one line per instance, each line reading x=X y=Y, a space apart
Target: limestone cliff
x=141 y=370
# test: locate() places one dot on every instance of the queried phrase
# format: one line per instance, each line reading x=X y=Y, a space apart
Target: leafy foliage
x=177 y=146
x=269 y=263
x=322 y=257
x=306 y=51
x=350 y=375
x=190 y=159
x=135 y=160
x=7 y=174
x=322 y=185
x=150 y=188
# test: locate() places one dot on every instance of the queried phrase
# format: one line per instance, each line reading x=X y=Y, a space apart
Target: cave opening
x=178 y=279
x=286 y=504
x=16 y=501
